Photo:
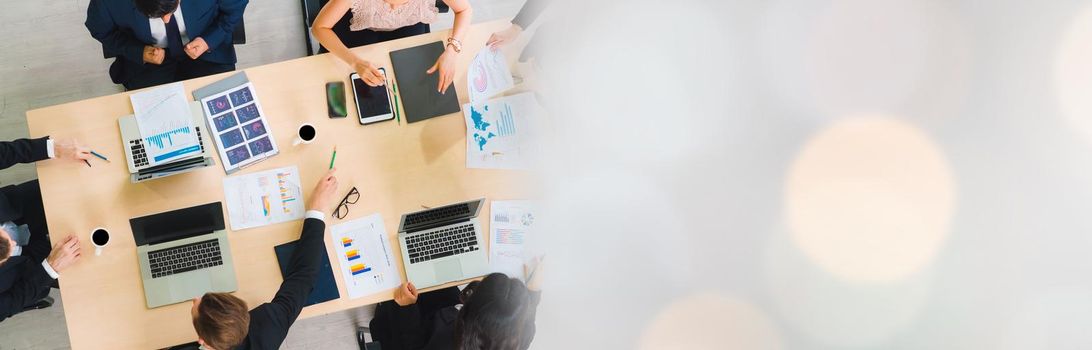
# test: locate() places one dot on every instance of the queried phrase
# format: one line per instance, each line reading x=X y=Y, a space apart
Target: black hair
x=156 y=8
x=498 y=314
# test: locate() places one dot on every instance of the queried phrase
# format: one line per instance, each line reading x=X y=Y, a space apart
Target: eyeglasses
x=343 y=208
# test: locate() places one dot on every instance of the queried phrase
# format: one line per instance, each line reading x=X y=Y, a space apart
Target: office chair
x=364 y=339
x=41 y=304
x=310 y=11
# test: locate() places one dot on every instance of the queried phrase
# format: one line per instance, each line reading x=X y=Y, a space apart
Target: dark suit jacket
x=22 y=282
x=124 y=31
x=269 y=322
x=16 y=152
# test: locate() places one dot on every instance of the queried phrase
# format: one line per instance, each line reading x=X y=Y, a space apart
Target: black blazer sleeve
x=269 y=322
x=32 y=285
x=22 y=151
x=231 y=11
x=116 y=41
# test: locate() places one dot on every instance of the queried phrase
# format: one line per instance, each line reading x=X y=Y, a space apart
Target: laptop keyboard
x=139 y=157
x=193 y=256
x=440 y=243
x=437 y=214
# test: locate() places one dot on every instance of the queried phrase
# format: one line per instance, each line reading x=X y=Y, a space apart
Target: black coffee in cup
x=307 y=132
x=100 y=237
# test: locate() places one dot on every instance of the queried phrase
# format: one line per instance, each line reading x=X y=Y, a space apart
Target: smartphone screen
x=335 y=100
x=372 y=101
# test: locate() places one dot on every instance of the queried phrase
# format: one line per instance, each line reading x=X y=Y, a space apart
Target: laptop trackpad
x=449 y=270
x=190 y=287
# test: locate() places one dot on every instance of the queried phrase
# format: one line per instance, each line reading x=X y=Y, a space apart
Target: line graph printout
x=165 y=123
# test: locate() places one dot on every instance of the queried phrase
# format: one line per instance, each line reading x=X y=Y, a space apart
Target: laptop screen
x=177 y=224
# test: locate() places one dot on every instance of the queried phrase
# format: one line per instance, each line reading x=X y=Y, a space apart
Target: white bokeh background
x=841 y=174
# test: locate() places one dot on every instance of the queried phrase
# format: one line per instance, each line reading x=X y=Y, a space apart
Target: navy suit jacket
x=124 y=31
x=22 y=281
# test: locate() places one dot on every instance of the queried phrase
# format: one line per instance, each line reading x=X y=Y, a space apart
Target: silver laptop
x=183 y=254
x=444 y=244
x=141 y=170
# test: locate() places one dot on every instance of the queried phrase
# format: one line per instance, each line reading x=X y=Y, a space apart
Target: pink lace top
x=378 y=15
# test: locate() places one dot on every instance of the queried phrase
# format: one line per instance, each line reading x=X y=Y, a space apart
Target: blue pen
x=100 y=156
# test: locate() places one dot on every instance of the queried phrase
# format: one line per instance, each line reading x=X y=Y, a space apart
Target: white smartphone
x=373 y=104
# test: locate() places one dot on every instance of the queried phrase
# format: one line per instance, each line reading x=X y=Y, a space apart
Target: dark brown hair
x=498 y=314
x=222 y=320
x=156 y=8
x=5 y=248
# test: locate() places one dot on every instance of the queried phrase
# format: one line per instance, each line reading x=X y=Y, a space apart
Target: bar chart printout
x=166 y=124
x=263 y=198
x=364 y=256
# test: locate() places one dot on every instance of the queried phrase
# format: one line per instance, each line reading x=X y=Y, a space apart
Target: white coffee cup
x=305 y=134
x=100 y=237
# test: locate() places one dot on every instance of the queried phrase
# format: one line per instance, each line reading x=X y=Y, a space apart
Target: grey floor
x=47 y=58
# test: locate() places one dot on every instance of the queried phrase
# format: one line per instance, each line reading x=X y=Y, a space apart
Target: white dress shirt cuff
x=49 y=149
x=315 y=214
x=49 y=269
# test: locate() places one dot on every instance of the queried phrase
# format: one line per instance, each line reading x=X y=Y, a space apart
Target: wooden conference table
x=396 y=167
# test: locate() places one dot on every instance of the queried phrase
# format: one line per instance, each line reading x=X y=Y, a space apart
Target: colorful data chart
x=263 y=198
x=364 y=256
x=286 y=191
x=241 y=127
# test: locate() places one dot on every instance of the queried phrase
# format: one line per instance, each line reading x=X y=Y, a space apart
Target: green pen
x=397 y=115
x=332 y=157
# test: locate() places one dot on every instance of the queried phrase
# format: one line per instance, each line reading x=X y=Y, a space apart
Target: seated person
x=28 y=267
x=164 y=41
x=222 y=321
x=497 y=312
x=375 y=21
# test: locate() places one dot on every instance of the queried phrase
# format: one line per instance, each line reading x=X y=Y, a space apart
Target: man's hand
x=406 y=295
x=323 y=196
x=64 y=254
x=154 y=55
x=196 y=48
x=70 y=149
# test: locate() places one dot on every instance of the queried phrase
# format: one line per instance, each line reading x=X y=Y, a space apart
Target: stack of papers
x=239 y=126
x=165 y=123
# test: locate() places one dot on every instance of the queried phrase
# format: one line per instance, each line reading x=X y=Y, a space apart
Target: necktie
x=174 y=39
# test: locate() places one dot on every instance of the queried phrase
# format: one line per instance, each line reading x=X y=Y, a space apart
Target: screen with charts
x=239 y=127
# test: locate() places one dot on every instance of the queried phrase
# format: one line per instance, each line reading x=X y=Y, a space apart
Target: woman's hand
x=446 y=65
x=500 y=38
x=368 y=73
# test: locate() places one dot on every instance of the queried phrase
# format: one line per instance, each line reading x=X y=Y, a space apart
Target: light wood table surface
x=397 y=168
